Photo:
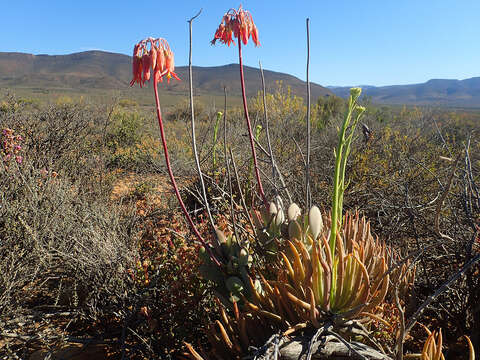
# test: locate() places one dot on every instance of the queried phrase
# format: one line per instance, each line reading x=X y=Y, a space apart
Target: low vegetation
x=120 y=262
x=278 y=248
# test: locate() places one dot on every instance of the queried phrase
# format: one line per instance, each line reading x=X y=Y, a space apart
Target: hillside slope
x=103 y=70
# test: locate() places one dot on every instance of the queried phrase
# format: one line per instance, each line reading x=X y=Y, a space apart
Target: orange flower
x=170 y=66
x=254 y=33
x=153 y=57
x=159 y=59
x=240 y=23
x=146 y=65
x=136 y=66
x=160 y=66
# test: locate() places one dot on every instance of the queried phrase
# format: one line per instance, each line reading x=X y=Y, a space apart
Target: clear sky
x=369 y=42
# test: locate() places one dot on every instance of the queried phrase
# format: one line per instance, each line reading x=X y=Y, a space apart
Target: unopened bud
x=272 y=209
x=355 y=92
x=315 y=221
x=293 y=212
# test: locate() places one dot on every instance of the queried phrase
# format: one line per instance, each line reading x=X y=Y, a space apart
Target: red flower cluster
x=159 y=59
x=240 y=24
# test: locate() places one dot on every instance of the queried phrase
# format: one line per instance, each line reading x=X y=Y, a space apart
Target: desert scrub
x=181 y=112
x=63 y=138
x=56 y=221
x=51 y=229
x=283 y=106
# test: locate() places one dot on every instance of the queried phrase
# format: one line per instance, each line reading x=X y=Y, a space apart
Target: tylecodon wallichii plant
x=155 y=55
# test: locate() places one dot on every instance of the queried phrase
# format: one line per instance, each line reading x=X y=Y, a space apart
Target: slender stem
x=172 y=178
x=308 y=196
x=277 y=170
x=242 y=198
x=230 y=188
x=247 y=118
x=401 y=333
x=343 y=166
x=194 y=142
x=232 y=213
x=267 y=130
x=215 y=132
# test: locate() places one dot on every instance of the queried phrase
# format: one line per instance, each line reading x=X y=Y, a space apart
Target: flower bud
x=315 y=221
x=293 y=212
x=272 y=210
x=279 y=217
x=355 y=92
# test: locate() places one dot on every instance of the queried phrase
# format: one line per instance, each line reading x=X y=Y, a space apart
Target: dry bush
x=62 y=242
x=60 y=246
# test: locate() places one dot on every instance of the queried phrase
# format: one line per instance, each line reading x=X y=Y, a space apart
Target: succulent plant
x=329 y=269
x=231 y=277
x=314 y=283
x=270 y=226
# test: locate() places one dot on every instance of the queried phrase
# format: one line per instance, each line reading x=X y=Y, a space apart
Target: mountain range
x=104 y=70
x=435 y=92
x=99 y=70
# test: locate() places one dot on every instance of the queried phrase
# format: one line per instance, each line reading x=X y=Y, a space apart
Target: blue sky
x=377 y=42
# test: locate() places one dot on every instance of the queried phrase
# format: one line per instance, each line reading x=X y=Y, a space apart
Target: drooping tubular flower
x=170 y=66
x=240 y=24
x=137 y=66
x=152 y=55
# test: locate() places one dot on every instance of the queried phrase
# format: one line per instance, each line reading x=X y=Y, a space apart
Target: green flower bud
x=355 y=92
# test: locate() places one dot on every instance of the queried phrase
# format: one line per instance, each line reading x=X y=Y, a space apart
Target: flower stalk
x=249 y=126
x=239 y=24
x=345 y=137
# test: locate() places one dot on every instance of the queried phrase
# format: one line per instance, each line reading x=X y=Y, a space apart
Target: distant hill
x=436 y=92
x=104 y=70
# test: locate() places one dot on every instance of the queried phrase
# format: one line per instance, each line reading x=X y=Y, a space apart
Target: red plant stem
x=172 y=178
x=247 y=117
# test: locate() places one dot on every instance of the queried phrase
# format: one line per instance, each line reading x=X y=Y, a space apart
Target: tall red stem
x=250 y=133
x=172 y=178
